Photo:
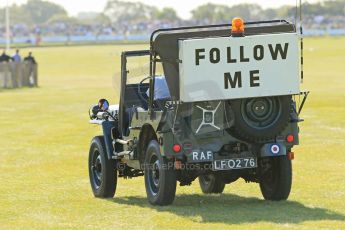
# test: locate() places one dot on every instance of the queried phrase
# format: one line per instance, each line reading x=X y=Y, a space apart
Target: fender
x=107 y=126
x=147 y=134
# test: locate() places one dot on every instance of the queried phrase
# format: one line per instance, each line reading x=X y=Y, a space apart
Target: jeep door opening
x=223 y=109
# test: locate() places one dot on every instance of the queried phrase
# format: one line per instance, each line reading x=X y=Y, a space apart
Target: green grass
x=45 y=136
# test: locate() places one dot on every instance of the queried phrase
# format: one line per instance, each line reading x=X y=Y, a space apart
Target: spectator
x=5 y=75
x=17 y=58
x=5 y=58
x=32 y=71
x=30 y=58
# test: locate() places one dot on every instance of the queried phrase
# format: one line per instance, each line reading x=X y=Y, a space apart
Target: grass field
x=45 y=136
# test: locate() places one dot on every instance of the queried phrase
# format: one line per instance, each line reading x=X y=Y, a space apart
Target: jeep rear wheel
x=275 y=183
x=259 y=119
x=102 y=171
x=160 y=178
x=210 y=183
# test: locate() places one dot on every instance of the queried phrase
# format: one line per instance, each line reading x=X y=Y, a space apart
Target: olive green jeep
x=223 y=108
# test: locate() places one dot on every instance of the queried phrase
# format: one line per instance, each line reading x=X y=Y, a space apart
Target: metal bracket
x=119 y=155
x=303 y=101
x=203 y=123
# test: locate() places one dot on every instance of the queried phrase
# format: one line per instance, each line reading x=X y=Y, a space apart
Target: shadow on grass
x=229 y=208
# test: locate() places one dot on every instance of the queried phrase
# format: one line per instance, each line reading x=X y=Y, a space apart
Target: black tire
x=102 y=171
x=211 y=183
x=260 y=119
x=275 y=183
x=160 y=177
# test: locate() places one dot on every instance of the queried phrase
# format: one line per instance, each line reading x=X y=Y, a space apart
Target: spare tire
x=260 y=119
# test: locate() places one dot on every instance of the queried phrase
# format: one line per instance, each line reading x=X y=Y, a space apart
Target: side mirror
x=103 y=104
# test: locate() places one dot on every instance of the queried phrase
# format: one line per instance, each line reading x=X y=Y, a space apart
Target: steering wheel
x=140 y=92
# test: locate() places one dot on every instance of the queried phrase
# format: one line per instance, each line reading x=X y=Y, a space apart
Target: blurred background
x=37 y=22
x=77 y=44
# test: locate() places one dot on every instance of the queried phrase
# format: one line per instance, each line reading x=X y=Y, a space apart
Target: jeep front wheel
x=102 y=171
x=275 y=183
x=210 y=183
x=160 y=178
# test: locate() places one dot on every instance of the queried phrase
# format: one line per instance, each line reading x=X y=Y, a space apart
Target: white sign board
x=239 y=67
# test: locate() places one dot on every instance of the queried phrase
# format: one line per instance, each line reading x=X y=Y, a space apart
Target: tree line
x=36 y=12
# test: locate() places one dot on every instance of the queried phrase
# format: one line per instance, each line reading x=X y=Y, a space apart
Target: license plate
x=236 y=163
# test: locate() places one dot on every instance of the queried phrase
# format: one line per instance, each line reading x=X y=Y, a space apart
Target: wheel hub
x=206 y=179
x=97 y=168
x=155 y=173
x=260 y=112
x=260 y=108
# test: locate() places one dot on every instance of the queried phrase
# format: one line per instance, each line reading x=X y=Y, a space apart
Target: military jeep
x=224 y=108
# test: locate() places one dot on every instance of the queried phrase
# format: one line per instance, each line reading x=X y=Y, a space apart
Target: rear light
x=177 y=148
x=291 y=155
x=290 y=138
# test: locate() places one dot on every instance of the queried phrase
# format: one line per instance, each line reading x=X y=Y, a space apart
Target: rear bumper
x=205 y=155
